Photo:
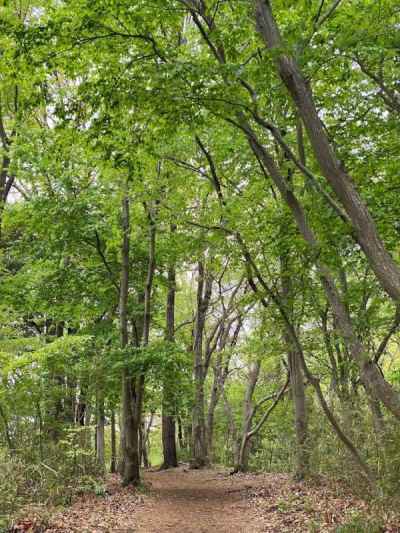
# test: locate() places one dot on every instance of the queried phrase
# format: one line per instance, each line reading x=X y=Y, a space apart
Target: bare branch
x=329 y=13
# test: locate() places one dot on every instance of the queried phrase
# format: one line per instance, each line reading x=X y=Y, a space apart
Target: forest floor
x=212 y=501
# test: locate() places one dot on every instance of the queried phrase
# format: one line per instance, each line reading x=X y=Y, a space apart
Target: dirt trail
x=211 y=501
x=196 y=501
x=174 y=501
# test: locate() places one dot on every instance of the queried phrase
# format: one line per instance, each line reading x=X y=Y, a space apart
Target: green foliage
x=358 y=523
x=97 y=94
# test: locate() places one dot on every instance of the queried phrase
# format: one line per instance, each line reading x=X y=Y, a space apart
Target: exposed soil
x=212 y=501
x=197 y=501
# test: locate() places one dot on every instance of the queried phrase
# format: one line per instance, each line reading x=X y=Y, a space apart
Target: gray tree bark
x=365 y=231
x=204 y=288
x=371 y=376
x=130 y=461
x=168 y=430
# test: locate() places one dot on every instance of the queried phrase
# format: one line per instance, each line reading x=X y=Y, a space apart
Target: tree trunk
x=143 y=446
x=81 y=407
x=181 y=440
x=113 y=462
x=212 y=406
x=170 y=459
x=71 y=401
x=140 y=381
x=300 y=415
x=366 y=234
x=370 y=374
x=169 y=442
x=247 y=417
x=7 y=431
x=57 y=413
x=377 y=417
x=130 y=441
x=100 y=442
x=310 y=377
x=204 y=287
x=296 y=380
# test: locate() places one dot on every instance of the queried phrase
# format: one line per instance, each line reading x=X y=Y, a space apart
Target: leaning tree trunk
x=365 y=231
x=7 y=178
x=370 y=374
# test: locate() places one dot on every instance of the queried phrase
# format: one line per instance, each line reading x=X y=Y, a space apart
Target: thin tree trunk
x=215 y=392
x=71 y=405
x=244 y=447
x=233 y=431
x=140 y=381
x=181 y=440
x=143 y=446
x=81 y=407
x=221 y=371
x=113 y=463
x=310 y=377
x=247 y=417
x=7 y=432
x=57 y=410
x=377 y=417
x=100 y=446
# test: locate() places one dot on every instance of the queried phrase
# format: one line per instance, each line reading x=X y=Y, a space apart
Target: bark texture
x=204 y=288
x=130 y=463
x=365 y=231
x=370 y=374
x=170 y=459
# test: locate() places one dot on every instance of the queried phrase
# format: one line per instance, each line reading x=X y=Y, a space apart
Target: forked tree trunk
x=221 y=371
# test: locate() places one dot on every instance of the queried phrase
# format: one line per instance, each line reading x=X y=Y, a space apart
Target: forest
x=200 y=265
